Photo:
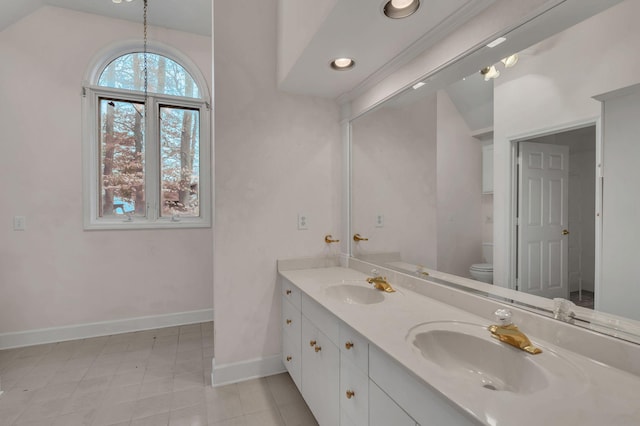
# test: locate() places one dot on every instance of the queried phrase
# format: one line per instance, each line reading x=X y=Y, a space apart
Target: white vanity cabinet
x=345 y=380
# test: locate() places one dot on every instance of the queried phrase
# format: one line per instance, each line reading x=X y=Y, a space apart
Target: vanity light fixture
x=418 y=85
x=398 y=9
x=342 y=64
x=490 y=72
x=496 y=42
x=510 y=61
x=120 y=1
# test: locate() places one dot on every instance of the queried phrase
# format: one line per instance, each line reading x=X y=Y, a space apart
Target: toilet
x=484 y=271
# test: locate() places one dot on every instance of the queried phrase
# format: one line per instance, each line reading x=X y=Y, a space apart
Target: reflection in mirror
x=416 y=177
x=494 y=174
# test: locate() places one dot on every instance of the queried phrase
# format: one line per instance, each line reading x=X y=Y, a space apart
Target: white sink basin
x=355 y=294
x=467 y=352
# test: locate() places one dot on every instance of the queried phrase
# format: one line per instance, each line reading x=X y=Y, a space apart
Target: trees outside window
x=146 y=152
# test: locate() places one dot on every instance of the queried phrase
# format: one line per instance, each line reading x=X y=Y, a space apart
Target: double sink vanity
x=424 y=355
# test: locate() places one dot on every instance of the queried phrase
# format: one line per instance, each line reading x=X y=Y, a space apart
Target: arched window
x=147 y=147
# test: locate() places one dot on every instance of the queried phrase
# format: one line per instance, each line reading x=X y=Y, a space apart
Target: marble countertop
x=586 y=393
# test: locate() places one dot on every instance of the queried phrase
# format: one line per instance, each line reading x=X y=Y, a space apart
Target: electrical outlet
x=19 y=223
x=303 y=222
x=379 y=221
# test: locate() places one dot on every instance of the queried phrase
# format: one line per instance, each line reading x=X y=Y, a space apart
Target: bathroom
x=278 y=155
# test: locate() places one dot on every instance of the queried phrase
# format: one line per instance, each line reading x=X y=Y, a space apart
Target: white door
x=543 y=176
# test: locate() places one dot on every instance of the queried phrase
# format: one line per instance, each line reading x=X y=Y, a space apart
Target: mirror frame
x=549 y=22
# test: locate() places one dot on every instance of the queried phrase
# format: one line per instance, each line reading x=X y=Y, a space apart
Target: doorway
x=555 y=215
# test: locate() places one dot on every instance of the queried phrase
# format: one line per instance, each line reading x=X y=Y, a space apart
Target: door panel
x=543 y=177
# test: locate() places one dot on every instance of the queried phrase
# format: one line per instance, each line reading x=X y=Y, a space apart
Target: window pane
x=180 y=161
x=165 y=76
x=121 y=158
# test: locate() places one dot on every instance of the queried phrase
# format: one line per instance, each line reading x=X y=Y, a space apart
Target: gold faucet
x=509 y=333
x=380 y=283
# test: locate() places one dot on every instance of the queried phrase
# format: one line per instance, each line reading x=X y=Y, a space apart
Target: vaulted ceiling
x=193 y=16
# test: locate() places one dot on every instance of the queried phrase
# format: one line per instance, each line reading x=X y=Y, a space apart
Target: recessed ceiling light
x=418 y=85
x=342 y=64
x=496 y=42
x=397 y=9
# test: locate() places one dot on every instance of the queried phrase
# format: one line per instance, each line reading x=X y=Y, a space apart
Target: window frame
x=153 y=219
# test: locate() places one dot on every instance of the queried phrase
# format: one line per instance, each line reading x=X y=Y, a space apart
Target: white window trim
x=90 y=153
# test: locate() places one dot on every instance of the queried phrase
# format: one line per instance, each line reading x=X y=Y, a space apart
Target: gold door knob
x=348 y=345
x=317 y=349
x=288 y=321
x=350 y=394
x=565 y=232
x=357 y=237
x=312 y=343
x=329 y=239
x=288 y=292
x=289 y=358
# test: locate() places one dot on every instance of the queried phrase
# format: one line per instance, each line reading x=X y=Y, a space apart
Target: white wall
x=459 y=165
x=619 y=293
x=552 y=86
x=394 y=174
x=277 y=155
x=417 y=164
x=54 y=273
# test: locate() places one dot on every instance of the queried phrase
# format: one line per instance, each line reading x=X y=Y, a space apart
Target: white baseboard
x=224 y=374
x=83 y=331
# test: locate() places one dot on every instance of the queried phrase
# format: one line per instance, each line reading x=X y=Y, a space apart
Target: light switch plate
x=379 y=221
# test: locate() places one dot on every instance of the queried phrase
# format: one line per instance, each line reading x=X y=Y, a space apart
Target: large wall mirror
x=516 y=166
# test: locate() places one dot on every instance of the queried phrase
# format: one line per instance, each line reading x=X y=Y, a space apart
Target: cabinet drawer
x=291 y=326
x=291 y=292
x=354 y=393
x=354 y=347
x=292 y=359
x=321 y=318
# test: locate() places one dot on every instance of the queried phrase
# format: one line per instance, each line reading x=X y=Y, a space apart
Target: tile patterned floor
x=150 y=378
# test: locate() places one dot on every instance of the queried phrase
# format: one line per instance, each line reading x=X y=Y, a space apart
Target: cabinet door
x=487 y=169
x=320 y=374
x=354 y=393
x=291 y=335
x=383 y=411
